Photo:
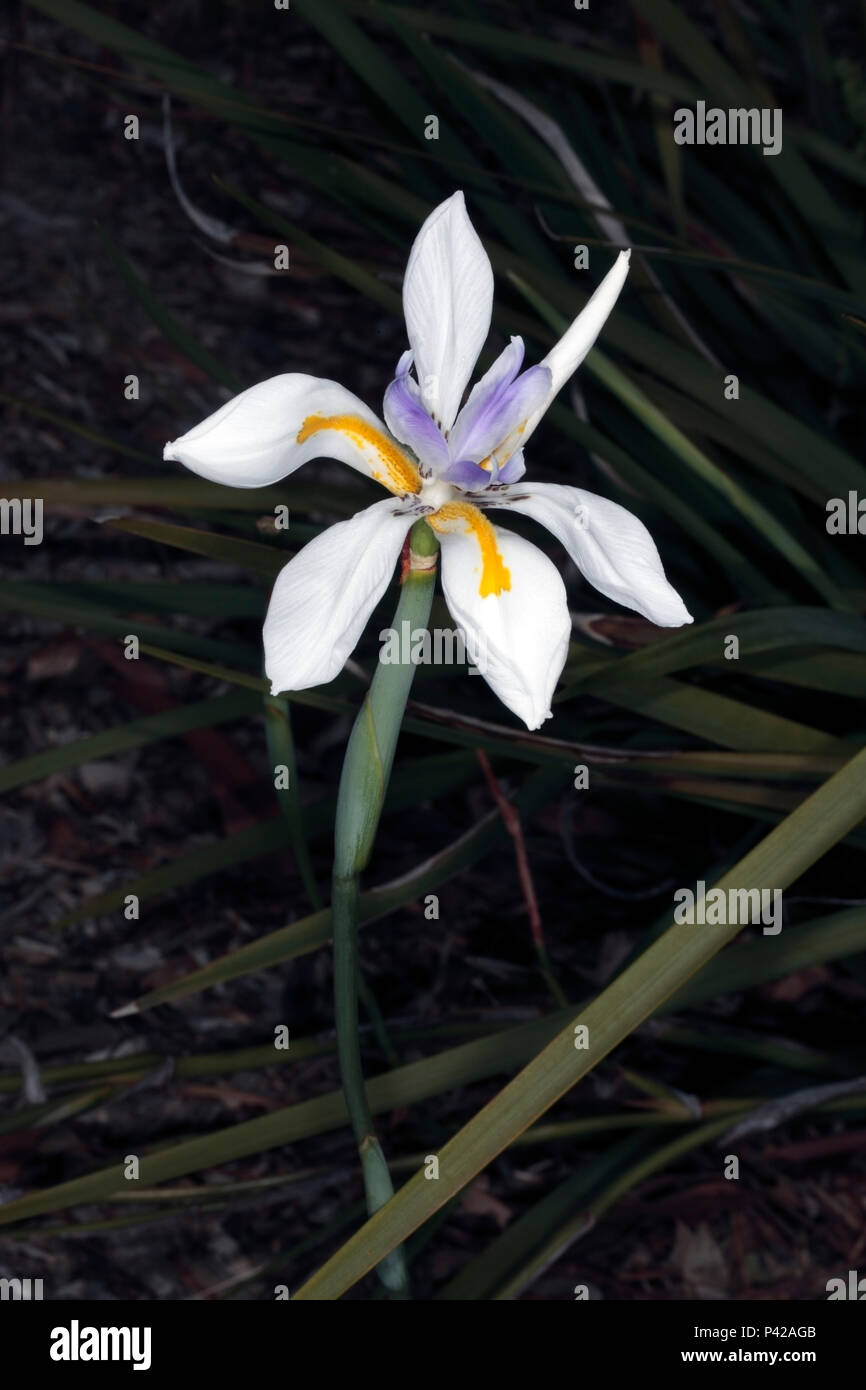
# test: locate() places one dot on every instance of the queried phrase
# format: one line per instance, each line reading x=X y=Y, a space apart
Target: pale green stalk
x=363 y=784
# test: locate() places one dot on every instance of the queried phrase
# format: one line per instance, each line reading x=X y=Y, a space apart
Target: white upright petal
x=448 y=301
x=324 y=596
x=609 y=545
x=517 y=632
x=566 y=356
x=268 y=431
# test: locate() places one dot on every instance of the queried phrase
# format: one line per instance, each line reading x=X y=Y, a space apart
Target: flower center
x=435 y=493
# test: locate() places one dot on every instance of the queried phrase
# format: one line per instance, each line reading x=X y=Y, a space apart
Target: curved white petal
x=517 y=637
x=609 y=545
x=447 y=300
x=566 y=356
x=268 y=431
x=324 y=596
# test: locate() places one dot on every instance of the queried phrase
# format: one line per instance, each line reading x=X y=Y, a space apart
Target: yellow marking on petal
x=397 y=473
x=463 y=516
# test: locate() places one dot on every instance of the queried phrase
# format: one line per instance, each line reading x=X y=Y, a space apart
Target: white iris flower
x=449 y=464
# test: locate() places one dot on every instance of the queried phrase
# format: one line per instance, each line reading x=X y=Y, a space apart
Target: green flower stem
x=363 y=784
x=281 y=748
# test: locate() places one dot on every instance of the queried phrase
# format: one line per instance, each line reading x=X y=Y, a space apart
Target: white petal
x=447 y=300
x=268 y=431
x=566 y=356
x=519 y=637
x=323 y=598
x=609 y=545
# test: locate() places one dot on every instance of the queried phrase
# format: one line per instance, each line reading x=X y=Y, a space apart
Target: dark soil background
x=603 y=873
